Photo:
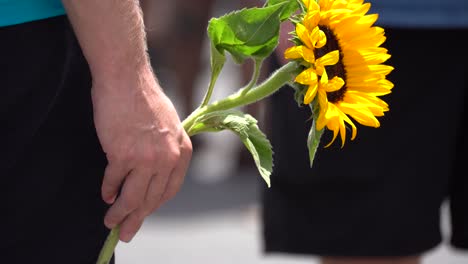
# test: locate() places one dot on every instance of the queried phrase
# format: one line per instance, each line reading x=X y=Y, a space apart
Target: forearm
x=112 y=36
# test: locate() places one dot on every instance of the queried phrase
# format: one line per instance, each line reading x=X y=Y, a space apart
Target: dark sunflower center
x=334 y=70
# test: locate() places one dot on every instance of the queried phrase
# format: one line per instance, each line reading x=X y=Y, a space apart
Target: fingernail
x=110 y=200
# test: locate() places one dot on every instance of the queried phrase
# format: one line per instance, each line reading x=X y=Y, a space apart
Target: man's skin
x=138 y=127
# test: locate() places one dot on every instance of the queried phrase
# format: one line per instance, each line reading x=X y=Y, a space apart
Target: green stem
x=107 y=250
x=209 y=92
x=217 y=63
x=256 y=73
x=277 y=80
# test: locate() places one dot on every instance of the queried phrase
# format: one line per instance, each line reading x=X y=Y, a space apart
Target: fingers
x=178 y=175
x=155 y=192
x=132 y=223
x=144 y=190
x=162 y=187
x=131 y=197
x=113 y=177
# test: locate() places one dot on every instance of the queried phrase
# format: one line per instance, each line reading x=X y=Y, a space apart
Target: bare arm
x=147 y=149
x=112 y=36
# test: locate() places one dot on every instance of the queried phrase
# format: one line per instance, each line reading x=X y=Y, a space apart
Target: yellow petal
x=386 y=83
x=375 y=105
x=353 y=127
x=334 y=84
x=371 y=99
x=361 y=114
x=303 y=35
x=310 y=94
x=372 y=55
x=324 y=78
x=307 y=77
x=324 y=4
x=318 y=37
x=311 y=5
x=311 y=19
x=294 y=52
x=362 y=9
x=308 y=55
x=331 y=58
x=323 y=103
x=342 y=130
x=332 y=117
x=335 y=128
x=368 y=20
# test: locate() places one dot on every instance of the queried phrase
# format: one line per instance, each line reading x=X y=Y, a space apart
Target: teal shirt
x=14 y=12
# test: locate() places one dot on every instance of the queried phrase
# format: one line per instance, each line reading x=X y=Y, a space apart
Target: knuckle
x=187 y=147
x=112 y=218
x=173 y=156
x=140 y=214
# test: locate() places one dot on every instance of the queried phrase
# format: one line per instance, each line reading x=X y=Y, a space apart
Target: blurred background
x=215 y=218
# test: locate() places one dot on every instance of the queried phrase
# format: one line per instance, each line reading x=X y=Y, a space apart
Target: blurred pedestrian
x=377 y=200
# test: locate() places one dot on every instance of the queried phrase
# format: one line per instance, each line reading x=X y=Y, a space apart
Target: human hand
x=147 y=149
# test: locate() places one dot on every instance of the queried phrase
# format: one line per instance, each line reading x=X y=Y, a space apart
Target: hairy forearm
x=112 y=36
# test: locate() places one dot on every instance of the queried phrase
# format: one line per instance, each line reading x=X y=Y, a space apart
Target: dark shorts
x=51 y=162
x=381 y=194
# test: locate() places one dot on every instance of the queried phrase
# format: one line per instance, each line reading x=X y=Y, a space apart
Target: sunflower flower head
x=338 y=46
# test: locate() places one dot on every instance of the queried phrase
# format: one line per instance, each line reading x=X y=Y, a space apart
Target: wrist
x=133 y=77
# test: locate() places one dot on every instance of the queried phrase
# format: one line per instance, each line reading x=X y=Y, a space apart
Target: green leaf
x=313 y=139
x=245 y=126
x=247 y=33
x=291 y=7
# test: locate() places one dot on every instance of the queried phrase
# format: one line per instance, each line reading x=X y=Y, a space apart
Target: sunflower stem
x=107 y=251
x=255 y=75
x=209 y=92
x=217 y=63
x=277 y=80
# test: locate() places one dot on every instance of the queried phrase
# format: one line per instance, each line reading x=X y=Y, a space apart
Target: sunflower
x=339 y=48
